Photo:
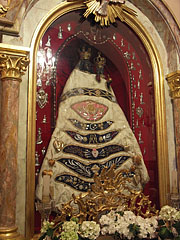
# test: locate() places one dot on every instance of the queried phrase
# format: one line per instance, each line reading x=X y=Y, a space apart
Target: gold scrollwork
x=107 y=11
x=110 y=190
x=13 y=67
x=4 y=8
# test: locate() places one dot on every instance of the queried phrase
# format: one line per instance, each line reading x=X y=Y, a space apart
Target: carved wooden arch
x=162 y=150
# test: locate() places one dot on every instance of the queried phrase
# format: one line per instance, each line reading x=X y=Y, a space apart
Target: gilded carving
x=174 y=84
x=13 y=67
x=4 y=7
x=106 y=11
x=58 y=145
x=3 y=10
x=109 y=190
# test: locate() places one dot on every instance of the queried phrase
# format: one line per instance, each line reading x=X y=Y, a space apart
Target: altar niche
x=127 y=69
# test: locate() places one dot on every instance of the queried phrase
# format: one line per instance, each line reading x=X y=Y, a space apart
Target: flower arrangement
x=169 y=223
x=70 y=230
x=120 y=224
x=126 y=225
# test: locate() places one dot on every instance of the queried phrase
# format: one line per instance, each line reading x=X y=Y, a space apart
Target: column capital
x=13 y=62
x=173 y=80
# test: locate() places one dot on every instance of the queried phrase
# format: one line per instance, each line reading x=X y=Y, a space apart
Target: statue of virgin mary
x=91 y=133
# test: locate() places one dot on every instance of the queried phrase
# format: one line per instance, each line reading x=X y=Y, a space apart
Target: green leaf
x=57 y=225
x=55 y=238
x=121 y=213
x=43 y=236
x=161 y=222
x=177 y=238
x=135 y=229
x=50 y=232
x=165 y=233
x=74 y=219
x=80 y=238
x=177 y=227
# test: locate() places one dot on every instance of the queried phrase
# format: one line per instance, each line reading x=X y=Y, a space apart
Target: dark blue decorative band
x=93 y=154
x=92 y=138
x=79 y=184
x=89 y=170
x=74 y=182
x=91 y=126
x=88 y=92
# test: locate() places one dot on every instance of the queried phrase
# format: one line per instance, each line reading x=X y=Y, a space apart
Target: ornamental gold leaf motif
x=13 y=66
x=110 y=190
x=4 y=7
x=106 y=11
x=174 y=84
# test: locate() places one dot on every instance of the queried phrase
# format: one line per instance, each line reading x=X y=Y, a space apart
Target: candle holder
x=174 y=199
x=45 y=209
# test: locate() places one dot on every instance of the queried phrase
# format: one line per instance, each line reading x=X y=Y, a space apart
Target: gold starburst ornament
x=106 y=11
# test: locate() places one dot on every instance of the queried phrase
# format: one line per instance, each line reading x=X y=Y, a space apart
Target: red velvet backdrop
x=129 y=67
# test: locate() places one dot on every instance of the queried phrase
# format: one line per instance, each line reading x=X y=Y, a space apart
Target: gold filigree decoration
x=4 y=8
x=13 y=67
x=47 y=172
x=106 y=11
x=174 y=84
x=58 y=145
x=110 y=190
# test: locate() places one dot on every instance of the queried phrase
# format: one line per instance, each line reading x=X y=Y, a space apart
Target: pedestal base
x=174 y=200
x=105 y=238
x=10 y=234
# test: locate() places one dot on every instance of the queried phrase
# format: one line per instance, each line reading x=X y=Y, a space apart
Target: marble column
x=13 y=64
x=174 y=85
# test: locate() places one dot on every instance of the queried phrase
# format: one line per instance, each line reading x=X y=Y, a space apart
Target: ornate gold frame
x=162 y=148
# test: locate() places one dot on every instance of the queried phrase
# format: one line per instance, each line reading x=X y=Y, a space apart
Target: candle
x=174 y=182
x=46 y=191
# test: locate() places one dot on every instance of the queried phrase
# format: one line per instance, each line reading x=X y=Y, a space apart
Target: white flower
x=89 y=229
x=112 y=229
x=104 y=230
x=148 y=227
x=122 y=227
x=129 y=217
x=177 y=216
x=70 y=235
x=70 y=226
x=114 y=222
x=46 y=225
x=167 y=213
x=105 y=220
